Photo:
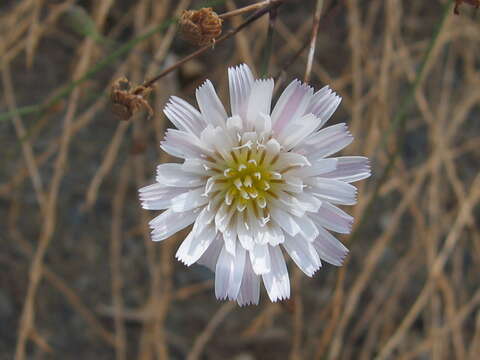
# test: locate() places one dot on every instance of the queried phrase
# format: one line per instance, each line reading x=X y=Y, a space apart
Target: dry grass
x=80 y=276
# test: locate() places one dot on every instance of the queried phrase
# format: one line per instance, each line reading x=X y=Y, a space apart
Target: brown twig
x=255 y=16
x=245 y=9
x=115 y=262
x=207 y=333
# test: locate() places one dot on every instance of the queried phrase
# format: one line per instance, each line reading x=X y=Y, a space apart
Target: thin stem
x=313 y=40
x=244 y=9
x=255 y=16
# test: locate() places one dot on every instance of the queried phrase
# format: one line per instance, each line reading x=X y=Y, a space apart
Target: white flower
x=255 y=182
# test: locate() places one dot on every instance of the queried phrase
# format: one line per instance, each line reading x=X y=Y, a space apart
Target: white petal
x=197 y=166
x=350 y=169
x=323 y=104
x=168 y=223
x=277 y=282
x=236 y=276
x=223 y=216
x=216 y=139
x=291 y=105
x=183 y=145
x=287 y=203
x=334 y=191
x=289 y=160
x=329 y=248
x=205 y=216
x=285 y=221
x=184 y=116
x=318 y=167
x=230 y=238
x=263 y=123
x=229 y=273
x=189 y=200
x=274 y=235
x=224 y=267
x=326 y=142
x=244 y=236
x=210 y=105
x=195 y=244
x=308 y=229
x=210 y=256
x=260 y=99
x=303 y=254
x=296 y=131
x=240 y=80
x=234 y=126
x=158 y=196
x=272 y=149
x=174 y=175
x=260 y=258
x=333 y=218
x=250 y=289
x=308 y=202
x=292 y=184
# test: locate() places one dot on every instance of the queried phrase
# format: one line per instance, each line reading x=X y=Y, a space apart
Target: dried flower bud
x=475 y=3
x=127 y=101
x=200 y=27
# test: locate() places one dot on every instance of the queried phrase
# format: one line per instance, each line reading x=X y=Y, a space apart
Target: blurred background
x=79 y=276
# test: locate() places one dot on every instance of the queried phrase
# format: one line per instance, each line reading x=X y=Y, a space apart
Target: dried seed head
x=200 y=27
x=475 y=3
x=127 y=101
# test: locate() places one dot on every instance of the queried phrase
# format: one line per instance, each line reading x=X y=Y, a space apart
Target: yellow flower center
x=248 y=179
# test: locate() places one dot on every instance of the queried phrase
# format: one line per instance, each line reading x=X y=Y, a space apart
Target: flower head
x=126 y=101
x=200 y=27
x=255 y=182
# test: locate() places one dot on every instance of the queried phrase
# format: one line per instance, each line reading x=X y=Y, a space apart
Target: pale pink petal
x=332 y=190
x=184 y=116
x=329 y=248
x=350 y=169
x=323 y=104
x=326 y=142
x=291 y=105
x=333 y=218
x=168 y=223
x=210 y=105
x=297 y=130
